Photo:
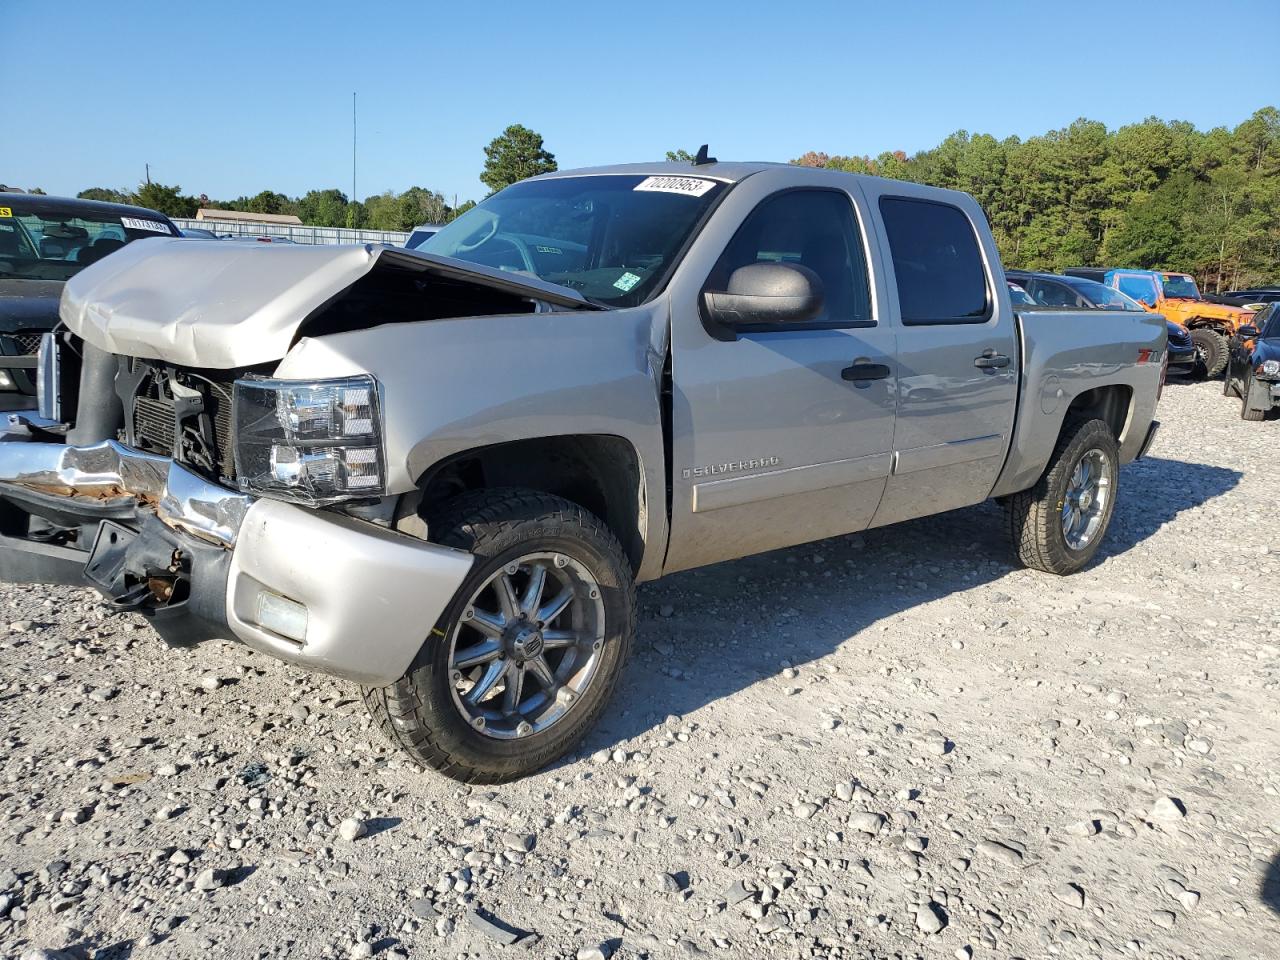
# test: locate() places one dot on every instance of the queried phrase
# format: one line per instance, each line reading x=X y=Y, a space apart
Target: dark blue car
x=1253 y=364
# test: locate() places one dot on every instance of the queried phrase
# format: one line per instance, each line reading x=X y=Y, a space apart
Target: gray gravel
x=889 y=745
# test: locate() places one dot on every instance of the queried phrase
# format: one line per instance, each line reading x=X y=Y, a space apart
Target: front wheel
x=527 y=654
x=1211 y=351
x=1058 y=525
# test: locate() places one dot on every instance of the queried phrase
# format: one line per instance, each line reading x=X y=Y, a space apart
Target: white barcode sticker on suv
x=155 y=226
x=689 y=186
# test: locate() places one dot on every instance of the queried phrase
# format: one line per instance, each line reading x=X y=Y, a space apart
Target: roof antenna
x=702 y=157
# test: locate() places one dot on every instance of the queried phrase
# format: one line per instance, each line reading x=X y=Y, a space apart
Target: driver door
x=776 y=438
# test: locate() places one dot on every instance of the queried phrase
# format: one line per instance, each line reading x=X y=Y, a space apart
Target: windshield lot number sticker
x=689 y=186
x=626 y=282
x=133 y=223
x=6 y=211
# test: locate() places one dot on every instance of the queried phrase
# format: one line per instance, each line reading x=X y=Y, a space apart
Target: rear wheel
x=1252 y=414
x=1211 y=351
x=527 y=654
x=1058 y=525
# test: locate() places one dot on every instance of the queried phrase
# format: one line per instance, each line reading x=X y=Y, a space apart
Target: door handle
x=862 y=372
x=991 y=360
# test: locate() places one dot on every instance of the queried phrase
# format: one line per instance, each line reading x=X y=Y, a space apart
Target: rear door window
x=936 y=261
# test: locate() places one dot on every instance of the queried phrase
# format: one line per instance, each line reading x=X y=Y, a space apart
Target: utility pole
x=353 y=146
x=148 y=166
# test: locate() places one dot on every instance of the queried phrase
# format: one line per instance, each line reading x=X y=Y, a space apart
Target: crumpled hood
x=222 y=304
x=29 y=304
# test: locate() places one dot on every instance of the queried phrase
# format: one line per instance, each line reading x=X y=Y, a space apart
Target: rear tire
x=1058 y=525
x=1252 y=414
x=435 y=713
x=1211 y=351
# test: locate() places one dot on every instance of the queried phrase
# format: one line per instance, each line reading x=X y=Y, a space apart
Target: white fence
x=295 y=233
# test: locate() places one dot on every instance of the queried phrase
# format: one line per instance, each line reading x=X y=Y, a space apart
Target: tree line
x=1155 y=194
x=513 y=155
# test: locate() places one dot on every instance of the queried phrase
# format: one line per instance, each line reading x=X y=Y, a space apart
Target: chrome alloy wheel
x=1087 y=498
x=526 y=646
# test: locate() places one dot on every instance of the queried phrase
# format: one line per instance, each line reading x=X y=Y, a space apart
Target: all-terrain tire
x=1211 y=349
x=1035 y=515
x=418 y=712
x=1252 y=414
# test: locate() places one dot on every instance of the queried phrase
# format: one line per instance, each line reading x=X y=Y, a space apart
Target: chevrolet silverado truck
x=440 y=473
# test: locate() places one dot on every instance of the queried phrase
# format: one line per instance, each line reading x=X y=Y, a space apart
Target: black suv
x=44 y=241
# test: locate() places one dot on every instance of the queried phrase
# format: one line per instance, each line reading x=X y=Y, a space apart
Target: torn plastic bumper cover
x=317 y=589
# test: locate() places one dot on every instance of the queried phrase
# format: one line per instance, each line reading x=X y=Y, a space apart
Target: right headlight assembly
x=312 y=441
x=1269 y=368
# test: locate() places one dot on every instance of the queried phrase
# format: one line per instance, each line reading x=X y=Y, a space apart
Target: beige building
x=243 y=216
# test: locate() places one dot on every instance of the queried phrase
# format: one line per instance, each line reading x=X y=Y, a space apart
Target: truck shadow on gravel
x=709 y=633
x=1271 y=885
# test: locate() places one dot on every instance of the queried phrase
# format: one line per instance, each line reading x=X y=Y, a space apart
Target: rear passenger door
x=957 y=353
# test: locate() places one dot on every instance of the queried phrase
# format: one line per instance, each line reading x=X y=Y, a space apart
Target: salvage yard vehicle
x=440 y=473
x=43 y=241
x=1176 y=297
x=1052 y=290
x=1253 y=369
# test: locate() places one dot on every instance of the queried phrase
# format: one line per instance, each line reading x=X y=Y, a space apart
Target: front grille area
x=1179 y=338
x=154 y=423
x=200 y=437
x=22 y=344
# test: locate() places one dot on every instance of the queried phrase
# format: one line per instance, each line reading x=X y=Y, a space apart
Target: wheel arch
x=603 y=473
x=1112 y=404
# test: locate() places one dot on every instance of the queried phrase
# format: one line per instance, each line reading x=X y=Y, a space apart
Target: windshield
x=612 y=238
x=43 y=241
x=1269 y=323
x=1181 y=287
x=1020 y=296
x=1101 y=296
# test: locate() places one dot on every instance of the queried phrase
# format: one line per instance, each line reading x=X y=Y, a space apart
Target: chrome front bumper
x=371 y=595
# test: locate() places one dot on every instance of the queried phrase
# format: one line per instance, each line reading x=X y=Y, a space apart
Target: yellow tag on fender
x=6 y=211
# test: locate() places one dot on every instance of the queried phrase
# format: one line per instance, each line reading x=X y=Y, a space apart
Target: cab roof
x=43 y=205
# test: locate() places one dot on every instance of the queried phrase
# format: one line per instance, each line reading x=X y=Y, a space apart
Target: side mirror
x=765 y=293
x=1247 y=332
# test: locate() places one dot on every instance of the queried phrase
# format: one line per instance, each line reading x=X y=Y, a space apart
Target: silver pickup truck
x=440 y=473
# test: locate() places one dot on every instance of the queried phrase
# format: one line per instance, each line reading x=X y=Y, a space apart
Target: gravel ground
x=885 y=745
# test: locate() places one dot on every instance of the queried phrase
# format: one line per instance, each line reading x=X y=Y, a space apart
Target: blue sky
x=234 y=97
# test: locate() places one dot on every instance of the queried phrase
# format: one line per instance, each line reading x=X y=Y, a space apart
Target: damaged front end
x=216 y=500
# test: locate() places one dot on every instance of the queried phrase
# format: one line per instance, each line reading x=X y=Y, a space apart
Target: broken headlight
x=313 y=441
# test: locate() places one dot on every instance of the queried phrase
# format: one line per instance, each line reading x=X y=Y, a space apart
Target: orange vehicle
x=1176 y=296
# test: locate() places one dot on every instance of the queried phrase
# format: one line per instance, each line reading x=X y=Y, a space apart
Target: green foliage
x=514 y=155
x=322 y=208
x=107 y=194
x=1155 y=194
x=679 y=156
x=462 y=208
x=168 y=200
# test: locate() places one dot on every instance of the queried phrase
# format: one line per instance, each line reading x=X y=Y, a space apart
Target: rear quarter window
x=936 y=261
